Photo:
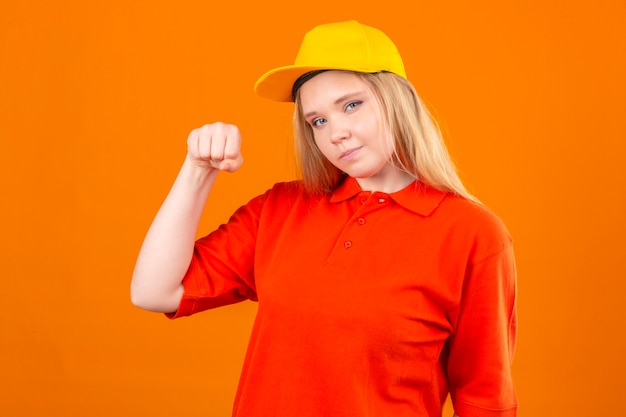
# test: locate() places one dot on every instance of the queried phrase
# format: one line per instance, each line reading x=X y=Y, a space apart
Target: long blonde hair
x=419 y=148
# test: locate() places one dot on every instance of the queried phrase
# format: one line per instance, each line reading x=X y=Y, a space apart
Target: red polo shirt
x=369 y=304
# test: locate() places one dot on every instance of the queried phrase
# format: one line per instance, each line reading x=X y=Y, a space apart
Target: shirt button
x=363 y=200
x=381 y=200
x=361 y=221
x=347 y=244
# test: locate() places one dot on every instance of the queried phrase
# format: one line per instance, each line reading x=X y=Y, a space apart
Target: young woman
x=382 y=284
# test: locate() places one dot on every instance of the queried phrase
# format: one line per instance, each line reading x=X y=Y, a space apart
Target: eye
x=318 y=122
x=353 y=104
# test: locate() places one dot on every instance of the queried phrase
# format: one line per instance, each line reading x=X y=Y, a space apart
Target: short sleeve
x=222 y=267
x=483 y=344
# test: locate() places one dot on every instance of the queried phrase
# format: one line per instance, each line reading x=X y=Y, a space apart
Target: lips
x=350 y=153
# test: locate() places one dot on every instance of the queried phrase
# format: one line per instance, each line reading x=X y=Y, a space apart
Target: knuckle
x=193 y=134
x=219 y=126
x=206 y=129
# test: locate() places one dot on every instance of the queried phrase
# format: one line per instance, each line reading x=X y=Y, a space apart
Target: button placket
x=358 y=228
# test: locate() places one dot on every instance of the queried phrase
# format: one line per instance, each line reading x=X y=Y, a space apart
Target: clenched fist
x=216 y=146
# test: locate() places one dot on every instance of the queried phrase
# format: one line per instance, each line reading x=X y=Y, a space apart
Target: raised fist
x=215 y=146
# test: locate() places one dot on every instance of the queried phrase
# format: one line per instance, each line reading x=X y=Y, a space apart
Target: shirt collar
x=417 y=196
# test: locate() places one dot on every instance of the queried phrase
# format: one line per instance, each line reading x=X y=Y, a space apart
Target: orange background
x=97 y=98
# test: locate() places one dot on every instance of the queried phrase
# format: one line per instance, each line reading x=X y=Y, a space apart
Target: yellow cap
x=349 y=46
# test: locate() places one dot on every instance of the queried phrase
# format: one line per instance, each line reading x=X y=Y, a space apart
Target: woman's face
x=349 y=130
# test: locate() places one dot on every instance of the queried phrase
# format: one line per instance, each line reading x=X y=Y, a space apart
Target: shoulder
x=288 y=188
x=279 y=191
x=476 y=223
x=473 y=214
x=283 y=193
x=274 y=203
x=285 y=196
x=291 y=191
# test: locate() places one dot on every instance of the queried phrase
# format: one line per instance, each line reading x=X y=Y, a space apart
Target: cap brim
x=277 y=84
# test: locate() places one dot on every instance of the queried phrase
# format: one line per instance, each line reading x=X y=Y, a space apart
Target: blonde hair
x=419 y=148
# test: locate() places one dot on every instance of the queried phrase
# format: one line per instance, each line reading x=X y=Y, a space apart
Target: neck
x=390 y=183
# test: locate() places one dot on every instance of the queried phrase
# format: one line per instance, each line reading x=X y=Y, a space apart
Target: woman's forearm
x=168 y=246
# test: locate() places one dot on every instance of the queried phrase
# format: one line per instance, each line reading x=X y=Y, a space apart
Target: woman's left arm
x=483 y=343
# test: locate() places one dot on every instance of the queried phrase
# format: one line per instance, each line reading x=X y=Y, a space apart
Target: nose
x=339 y=132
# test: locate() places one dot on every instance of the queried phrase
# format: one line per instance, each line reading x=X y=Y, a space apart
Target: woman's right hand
x=168 y=247
x=215 y=146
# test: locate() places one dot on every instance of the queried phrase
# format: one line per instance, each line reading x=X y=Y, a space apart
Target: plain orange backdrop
x=97 y=99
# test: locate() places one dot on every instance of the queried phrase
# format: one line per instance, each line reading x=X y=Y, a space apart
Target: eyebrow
x=339 y=100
